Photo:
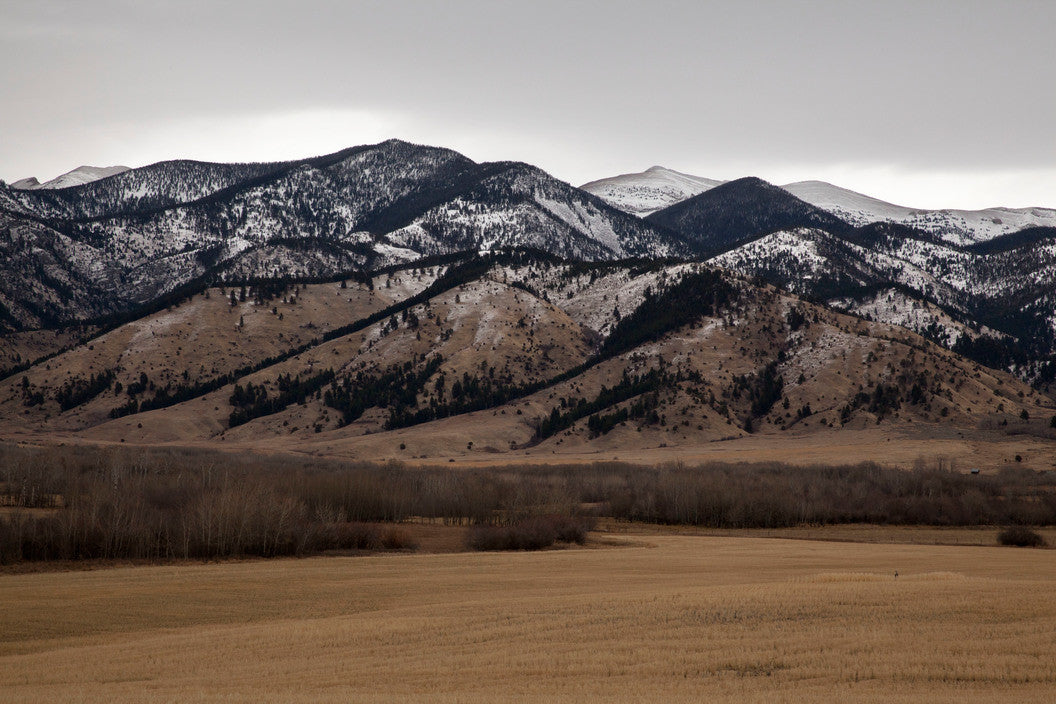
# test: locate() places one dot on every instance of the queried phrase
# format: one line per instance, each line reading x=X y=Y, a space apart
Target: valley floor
x=444 y=443
x=662 y=617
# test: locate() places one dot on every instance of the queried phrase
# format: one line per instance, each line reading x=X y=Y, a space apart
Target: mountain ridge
x=103 y=249
x=958 y=226
x=142 y=233
x=733 y=212
x=511 y=354
x=76 y=177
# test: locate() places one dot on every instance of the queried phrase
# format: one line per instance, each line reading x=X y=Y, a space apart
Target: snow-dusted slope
x=651 y=190
x=47 y=277
x=856 y=208
x=146 y=232
x=957 y=226
x=924 y=284
x=656 y=188
x=522 y=206
x=894 y=307
x=161 y=185
x=78 y=177
x=795 y=258
x=510 y=334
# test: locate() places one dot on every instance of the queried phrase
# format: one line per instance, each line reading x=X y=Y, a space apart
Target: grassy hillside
x=520 y=356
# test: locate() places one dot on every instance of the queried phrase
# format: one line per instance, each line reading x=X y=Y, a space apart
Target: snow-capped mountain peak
x=78 y=177
x=653 y=189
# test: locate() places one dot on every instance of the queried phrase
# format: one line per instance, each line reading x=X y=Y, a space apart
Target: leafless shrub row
x=1021 y=537
x=533 y=533
x=77 y=502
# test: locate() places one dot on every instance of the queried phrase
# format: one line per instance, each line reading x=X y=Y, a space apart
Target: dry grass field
x=985 y=536
x=668 y=618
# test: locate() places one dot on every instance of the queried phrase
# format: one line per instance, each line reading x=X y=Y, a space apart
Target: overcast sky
x=927 y=104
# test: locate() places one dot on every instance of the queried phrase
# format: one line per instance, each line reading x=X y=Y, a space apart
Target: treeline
x=533 y=533
x=643 y=408
x=775 y=496
x=254 y=401
x=162 y=504
x=695 y=296
x=177 y=504
x=627 y=388
x=885 y=399
x=78 y=390
x=763 y=389
x=396 y=388
x=881 y=401
x=468 y=393
x=991 y=351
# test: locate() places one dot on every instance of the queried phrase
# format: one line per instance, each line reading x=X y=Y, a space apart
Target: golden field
x=659 y=617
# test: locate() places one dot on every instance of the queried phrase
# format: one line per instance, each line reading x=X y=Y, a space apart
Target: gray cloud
x=907 y=89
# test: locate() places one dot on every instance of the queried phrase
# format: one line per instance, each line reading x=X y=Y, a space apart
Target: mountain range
x=657 y=188
x=980 y=282
x=122 y=245
x=119 y=242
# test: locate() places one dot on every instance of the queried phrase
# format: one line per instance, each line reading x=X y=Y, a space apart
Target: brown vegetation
x=172 y=505
x=164 y=504
x=765 y=376
x=681 y=619
x=533 y=533
x=1021 y=536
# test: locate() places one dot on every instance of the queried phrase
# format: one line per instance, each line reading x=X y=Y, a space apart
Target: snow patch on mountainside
x=581 y=216
x=896 y=308
x=597 y=301
x=793 y=250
